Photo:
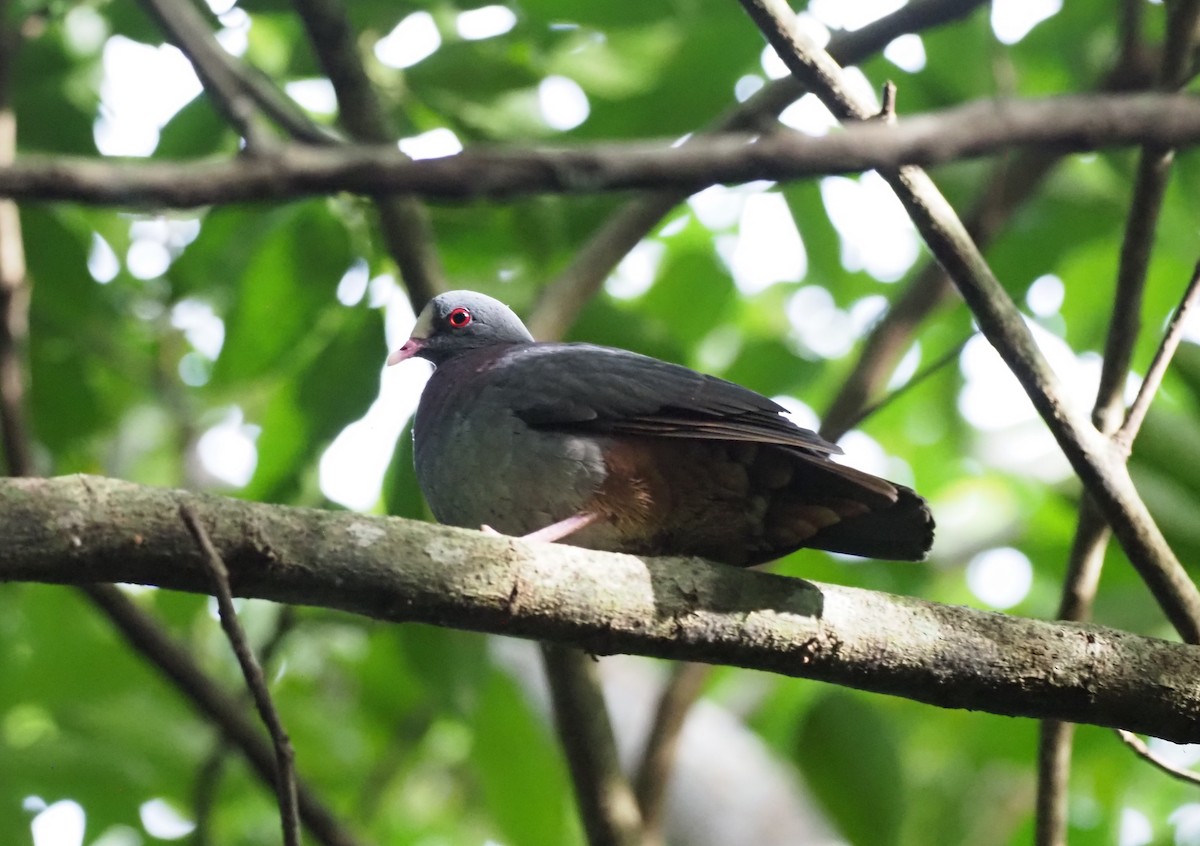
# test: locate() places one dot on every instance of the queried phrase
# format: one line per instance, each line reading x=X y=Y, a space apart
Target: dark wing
x=586 y=388
x=590 y=389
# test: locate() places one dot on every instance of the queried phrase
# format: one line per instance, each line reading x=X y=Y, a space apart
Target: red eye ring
x=459 y=318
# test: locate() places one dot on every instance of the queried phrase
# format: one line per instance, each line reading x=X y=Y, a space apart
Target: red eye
x=460 y=318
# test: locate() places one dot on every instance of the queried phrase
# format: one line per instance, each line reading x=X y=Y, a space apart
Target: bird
x=611 y=450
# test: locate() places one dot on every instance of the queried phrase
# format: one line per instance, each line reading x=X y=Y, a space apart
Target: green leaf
x=336 y=383
x=289 y=281
x=848 y=753
x=401 y=494
x=196 y=130
x=520 y=768
x=693 y=293
x=452 y=665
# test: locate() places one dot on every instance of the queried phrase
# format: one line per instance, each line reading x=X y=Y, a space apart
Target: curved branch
x=82 y=529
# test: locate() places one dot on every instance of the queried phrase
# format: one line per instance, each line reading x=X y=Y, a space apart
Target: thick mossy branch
x=80 y=529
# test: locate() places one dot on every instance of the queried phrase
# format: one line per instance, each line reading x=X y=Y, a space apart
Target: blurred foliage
x=152 y=335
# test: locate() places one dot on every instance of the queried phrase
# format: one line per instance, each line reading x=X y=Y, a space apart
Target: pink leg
x=555 y=531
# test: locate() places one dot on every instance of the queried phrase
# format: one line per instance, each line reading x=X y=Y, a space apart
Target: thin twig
x=1143 y=751
x=1158 y=367
x=606 y=802
x=1012 y=182
x=946 y=358
x=285 y=771
x=1092 y=457
x=208 y=697
x=208 y=775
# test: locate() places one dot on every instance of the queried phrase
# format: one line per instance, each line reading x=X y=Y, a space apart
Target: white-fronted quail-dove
x=617 y=451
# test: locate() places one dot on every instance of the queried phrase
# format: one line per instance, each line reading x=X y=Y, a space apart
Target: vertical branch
x=14 y=284
x=407 y=231
x=682 y=690
x=606 y=802
x=1092 y=532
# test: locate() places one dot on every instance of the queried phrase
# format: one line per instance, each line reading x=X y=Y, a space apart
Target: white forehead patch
x=424 y=325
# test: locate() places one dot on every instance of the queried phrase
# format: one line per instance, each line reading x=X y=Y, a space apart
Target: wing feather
x=587 y=388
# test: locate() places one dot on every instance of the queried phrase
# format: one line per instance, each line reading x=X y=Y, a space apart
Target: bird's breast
x=478 y=463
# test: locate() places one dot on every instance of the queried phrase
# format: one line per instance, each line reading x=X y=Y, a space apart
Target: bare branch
x=682 y=690
x=407 y=231
x=1158 y=367
x=1143 y=751
x=285 y=756
x=563 y=299
x=183 y=24
x=205 y=694
x=606 y=804
x=1094 y=460
x=85 y=529
x=949 y=357
x=1065 y=123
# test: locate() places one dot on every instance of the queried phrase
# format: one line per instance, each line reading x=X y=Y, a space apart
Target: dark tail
x=902 y=531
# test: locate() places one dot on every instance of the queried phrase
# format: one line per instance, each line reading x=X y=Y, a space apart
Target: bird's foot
x=555 y=531
x=563 y=528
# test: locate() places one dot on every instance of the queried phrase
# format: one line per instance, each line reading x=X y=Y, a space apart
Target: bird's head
x=458 y=321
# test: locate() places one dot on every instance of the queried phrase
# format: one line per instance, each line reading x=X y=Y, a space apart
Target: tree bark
x=80 y=529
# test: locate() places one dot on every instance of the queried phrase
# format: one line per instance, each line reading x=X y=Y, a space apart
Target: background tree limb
x=1068 y=124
